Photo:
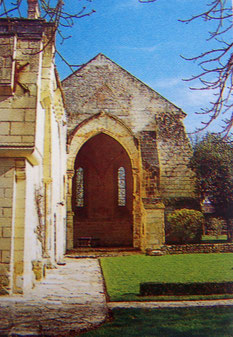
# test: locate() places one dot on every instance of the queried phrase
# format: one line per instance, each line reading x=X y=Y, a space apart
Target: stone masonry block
x=7 y=212
x=8 y=139
x=23 y=44
x=30 y=115
x=6 y=232
x=24 y=102
x=29 y=78
x=8 y=193
x=26 y=128
x=6 y=256
x=4 y=128
x=5 y=243
x=11 y=115
x=9 y=174
x=28 y=139
x=4 y=281
x=4 y=269
x=1 y=211
x=5 y=202
x=5 y=222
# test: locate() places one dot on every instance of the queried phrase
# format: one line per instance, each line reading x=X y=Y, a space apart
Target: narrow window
x=79 y=187
x=121 y=187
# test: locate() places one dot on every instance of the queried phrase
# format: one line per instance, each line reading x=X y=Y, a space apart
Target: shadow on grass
x=178 y=322
x=129 y=297
x=214 y=241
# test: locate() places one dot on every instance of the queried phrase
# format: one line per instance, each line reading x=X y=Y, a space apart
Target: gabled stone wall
x=101 y=86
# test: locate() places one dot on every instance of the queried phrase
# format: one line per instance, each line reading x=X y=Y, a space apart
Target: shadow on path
x=69 y=300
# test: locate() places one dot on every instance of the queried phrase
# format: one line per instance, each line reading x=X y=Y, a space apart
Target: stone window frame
x=121 y=186
x=79 y=187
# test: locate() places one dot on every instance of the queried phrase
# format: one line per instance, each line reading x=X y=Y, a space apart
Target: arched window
x=79 y=187
x=121 y=187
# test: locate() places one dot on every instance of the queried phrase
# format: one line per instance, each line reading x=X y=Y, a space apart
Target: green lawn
x=123 y=274
x=214 y=239
x=188 y=322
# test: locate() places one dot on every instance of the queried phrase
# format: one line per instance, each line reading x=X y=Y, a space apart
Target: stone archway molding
x=102 y=123
x=113 y=127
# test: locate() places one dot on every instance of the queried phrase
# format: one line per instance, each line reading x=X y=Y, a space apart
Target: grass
x=123 y=274
x=178 y=322
x=214 y=239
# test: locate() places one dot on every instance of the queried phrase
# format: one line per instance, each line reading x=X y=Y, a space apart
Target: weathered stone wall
x=18 y=111
x=33 y=134
x=7 y=64
x=6 y=211
x=176 y=178
x=101 y=86
x=198 y=248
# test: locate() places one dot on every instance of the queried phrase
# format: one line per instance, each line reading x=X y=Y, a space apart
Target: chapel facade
x=127 y=147
x=99 y=155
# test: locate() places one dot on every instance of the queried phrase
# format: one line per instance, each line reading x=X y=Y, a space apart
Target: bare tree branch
x=217 y=66
x=52 y=11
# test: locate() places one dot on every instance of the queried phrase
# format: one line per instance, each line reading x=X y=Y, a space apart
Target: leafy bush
x=184 y=226
x=216 y=226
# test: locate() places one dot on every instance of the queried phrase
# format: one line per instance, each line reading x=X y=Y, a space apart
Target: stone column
x=19 y=224
x=70 y=213
x=154 y=223
x=33 y=9
x=136 y=209
x=47 y=216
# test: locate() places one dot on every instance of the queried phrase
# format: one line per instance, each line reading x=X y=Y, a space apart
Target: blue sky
x=147 y=40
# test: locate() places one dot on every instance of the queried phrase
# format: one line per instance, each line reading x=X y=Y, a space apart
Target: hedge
x=204 y=288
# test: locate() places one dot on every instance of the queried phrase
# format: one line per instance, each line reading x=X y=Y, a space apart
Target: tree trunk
x=229 y=230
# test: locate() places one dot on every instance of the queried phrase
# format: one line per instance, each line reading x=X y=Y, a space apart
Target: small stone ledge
x=154 y=252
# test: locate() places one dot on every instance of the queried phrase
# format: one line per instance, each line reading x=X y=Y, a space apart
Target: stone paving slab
x=69 y=300
x=172 y=304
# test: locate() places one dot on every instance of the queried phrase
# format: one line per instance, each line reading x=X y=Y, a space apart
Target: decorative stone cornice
x=70 y=174
x=20 y=174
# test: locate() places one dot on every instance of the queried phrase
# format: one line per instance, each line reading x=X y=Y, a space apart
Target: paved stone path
x=173 y=304
x=69 y=300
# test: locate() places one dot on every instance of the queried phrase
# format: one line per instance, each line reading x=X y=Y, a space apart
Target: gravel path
x=69 y=300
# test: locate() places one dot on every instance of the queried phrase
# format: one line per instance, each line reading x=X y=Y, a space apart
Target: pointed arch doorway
x=102 y=196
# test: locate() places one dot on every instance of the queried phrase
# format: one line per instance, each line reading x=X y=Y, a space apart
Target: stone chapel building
x=100 y=155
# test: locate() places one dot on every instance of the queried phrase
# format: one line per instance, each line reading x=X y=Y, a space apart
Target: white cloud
x=166 y=83
x=180 y=94
x=190 y=101
x=143 y=49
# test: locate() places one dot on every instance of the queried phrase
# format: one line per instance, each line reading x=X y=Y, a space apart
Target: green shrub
x=194 y=288
x=184 y=226
x=216 y=226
